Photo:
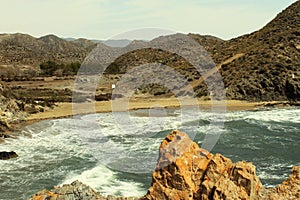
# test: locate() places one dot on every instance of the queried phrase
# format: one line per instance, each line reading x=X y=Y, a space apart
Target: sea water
x=118 y=158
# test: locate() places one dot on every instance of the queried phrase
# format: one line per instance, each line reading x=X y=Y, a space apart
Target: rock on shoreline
x=11 y=109
x=4 y=155
x=184 y=171
x=74 y=191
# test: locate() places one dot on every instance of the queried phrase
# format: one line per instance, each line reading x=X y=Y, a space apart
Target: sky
x=107 y=19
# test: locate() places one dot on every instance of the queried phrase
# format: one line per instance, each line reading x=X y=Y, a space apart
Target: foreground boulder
x=74 y=191
x=4 y=155
x=289 y=189
x=184 y=171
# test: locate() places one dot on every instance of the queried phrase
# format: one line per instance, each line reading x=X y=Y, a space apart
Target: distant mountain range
x=263 y=65
x=111 y=42
x=22 y=49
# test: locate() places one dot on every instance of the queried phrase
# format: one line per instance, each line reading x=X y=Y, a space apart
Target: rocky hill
x=269 y=68
x=23 y=49
x=261 y=66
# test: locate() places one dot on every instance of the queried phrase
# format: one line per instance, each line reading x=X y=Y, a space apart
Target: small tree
x=48 y=68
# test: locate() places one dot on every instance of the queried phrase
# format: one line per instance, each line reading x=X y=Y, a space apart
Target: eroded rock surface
x=74 y=191
x=11 y=110
x=184 y=171
x=289 y=189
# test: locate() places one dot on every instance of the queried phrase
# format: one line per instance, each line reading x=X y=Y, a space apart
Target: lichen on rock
x=194 y=173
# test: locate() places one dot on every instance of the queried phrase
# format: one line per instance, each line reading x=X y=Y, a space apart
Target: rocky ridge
x=185 y=171
x=23 y=49
x=267 y=70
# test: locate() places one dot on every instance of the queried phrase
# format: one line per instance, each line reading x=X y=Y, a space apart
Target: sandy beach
x=62 y=110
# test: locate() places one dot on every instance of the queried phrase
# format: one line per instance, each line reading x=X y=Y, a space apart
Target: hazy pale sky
x=102 y=19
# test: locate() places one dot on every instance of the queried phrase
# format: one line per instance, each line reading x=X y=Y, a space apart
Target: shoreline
x=65 y=110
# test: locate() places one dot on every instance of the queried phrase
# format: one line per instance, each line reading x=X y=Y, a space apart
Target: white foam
x=105 y=181
x=273 y=115
x=58 y=140
x=266 y=175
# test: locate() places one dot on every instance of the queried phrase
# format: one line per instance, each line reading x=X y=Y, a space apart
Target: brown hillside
x=23 y=49
x=260 y=66
x=271 y=60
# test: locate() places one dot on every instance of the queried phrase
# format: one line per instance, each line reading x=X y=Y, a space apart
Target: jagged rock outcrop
x=4 y=155
x=186 y=172
x=289 y=189
x=74 y=191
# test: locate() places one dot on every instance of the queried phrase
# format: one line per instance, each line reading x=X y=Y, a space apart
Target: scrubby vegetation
x=51 y=68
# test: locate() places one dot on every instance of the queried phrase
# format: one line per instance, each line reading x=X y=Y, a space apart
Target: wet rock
x=4 y=155
x=103 y=97
x=74 y=191
x=4 y=126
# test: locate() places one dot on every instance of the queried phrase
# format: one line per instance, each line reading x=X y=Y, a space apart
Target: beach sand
x=62 y=110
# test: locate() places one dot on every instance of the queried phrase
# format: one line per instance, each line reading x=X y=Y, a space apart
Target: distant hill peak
x=287 y=19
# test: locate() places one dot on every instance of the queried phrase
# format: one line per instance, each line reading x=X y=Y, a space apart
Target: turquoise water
x=100 y=151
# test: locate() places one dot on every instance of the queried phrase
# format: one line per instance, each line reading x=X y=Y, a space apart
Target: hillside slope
x=23 y=49
x=260 y=66
x=269 y=69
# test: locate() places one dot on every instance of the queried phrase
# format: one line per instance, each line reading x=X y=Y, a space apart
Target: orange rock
x=185 y=171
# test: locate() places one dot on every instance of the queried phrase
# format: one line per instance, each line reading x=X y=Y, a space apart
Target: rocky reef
x=185 y=171
x=4 y=155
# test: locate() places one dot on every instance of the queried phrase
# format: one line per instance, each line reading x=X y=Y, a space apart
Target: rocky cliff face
x=185 y=171
x=11 y=110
